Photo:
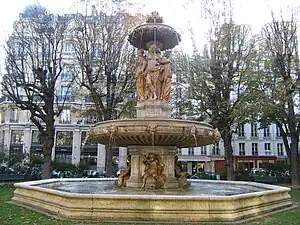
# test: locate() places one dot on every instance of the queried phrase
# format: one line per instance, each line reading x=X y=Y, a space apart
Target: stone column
x=53 y=149
x=27 y=142
x=7 y=138
x=167 y=154
x=135 y=179
x=122 y=157
x=190 y=167
x=168 y=157
x=76 y=147
x=101 y=154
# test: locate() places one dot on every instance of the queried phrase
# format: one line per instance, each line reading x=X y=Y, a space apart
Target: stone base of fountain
x=164 y=156
x=156 y=207
x=153 y=108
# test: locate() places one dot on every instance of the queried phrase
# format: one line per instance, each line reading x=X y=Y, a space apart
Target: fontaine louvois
x=153 y=138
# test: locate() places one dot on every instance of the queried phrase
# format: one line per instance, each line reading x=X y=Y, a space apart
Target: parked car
x=257 y=171
x=205 y=175
x=55 y=174
x=90 y=174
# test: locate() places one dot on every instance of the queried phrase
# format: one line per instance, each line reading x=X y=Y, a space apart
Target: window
x=17 y=137
x=267 y=131
x=91 y=120
x=84 y=139
x=179 y=152
x=216 y=149
x=203 y=150
x=278 y=132
x=65 y=93
x=64 y=138
x=2 y=114
x=267 y=148
x=68 y=47
x=253 y=130
x=14 y=116
x=280 y=149
x=67 y=73
x=241 y=131
x=64 y=90
x=254 y=149
x=242 y=149
x=191 y=151
x=65 y=116
x=96 y=51
x=36 y=137
x=63 y=158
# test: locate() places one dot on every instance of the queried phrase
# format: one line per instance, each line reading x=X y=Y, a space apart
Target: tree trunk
x=295 y=161
x=227 y=137
x=47 y=157
x=109 y=161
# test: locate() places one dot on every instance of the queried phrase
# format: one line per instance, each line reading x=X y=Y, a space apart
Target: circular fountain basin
x=152 y=131
x=99 y=200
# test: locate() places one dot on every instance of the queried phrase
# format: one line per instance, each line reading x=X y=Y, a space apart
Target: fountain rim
x=157 y=25
x=139 y=30
x=153 y=119
x=271 y=189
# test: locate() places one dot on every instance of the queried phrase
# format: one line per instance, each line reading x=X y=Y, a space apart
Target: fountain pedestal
x=153 y=108
x=167 y=156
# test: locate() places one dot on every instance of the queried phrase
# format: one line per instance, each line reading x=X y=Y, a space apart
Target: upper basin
x=154 y=132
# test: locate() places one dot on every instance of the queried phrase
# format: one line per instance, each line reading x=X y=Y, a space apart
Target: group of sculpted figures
x=153 y=75
x=153 y=82
x=154 y=177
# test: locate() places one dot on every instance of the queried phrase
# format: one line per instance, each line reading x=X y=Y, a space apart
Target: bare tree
x=34 y=64
x=106 y=61
x=220 y=74
x=278 y=89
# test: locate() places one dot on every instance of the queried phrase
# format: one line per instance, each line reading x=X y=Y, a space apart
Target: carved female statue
x=153 y=71
x=165 y=81
x=141 y=64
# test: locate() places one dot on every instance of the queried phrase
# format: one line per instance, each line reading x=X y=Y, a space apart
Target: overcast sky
x=175 y=13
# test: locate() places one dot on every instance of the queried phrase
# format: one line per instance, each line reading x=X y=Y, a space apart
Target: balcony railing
x=67 y=98
x=4 y=99
x=65 y=121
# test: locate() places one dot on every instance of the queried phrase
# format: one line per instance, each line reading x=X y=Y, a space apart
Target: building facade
x=19 y=135
x=252 y=148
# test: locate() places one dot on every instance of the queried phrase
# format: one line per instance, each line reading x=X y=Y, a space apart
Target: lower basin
x=99 y=200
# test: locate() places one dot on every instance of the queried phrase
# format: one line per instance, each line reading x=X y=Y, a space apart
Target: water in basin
x=108 y=187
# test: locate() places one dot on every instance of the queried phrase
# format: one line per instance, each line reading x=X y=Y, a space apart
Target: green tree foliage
x=182 y=101
x=220 y=79
x=220 y=73
x=275 y=85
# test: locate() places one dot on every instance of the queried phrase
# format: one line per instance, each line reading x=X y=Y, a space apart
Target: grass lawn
x=15 y=215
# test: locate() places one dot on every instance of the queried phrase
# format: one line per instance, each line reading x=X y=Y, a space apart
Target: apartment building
x=19 y=135
x=252 y=148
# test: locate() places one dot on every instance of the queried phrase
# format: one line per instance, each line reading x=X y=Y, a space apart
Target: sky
x=176 y=13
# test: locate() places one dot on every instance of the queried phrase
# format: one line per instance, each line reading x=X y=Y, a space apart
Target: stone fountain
x=153 y=188
x=153 y=137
